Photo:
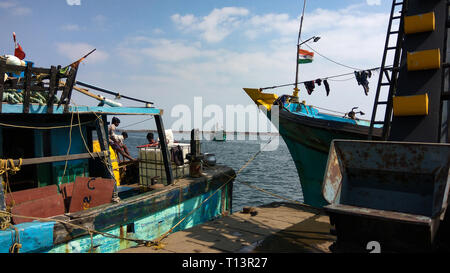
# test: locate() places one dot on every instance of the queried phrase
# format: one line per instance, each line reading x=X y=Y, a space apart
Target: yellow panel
x=411 y=105
x=420 y=23
x=265 y=99
x=424 y=60
x=112 y=156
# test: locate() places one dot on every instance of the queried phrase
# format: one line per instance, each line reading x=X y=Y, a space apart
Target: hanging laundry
x=319 y=82
x=327 y=87
x=361 y=78
x=309 y=87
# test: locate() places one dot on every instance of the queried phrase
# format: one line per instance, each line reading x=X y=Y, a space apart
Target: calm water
x=273 y=171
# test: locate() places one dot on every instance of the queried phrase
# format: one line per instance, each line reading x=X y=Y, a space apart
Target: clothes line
x=321 y=78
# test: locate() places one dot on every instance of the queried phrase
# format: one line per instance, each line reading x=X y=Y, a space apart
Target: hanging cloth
x=309 y=87
x=361 y=78
x=327 y=87
x=318 y=82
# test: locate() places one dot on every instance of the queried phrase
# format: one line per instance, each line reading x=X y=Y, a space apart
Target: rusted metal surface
x=89 y=192
x=387 y=189
x=15 y=198
x=43 y=208
x=403 y=177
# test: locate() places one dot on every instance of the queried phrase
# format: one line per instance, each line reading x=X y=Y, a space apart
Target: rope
x=162 y=237
x=338 y=63
x=7 y=165
x=323 y=78
x=90 y=231
x=43 y=128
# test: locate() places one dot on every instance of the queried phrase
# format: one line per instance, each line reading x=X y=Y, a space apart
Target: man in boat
x=151 y=141
x=120 y=141
x=115 y=140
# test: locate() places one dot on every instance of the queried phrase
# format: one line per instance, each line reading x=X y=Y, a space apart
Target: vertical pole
x=27 y=89
x=2 y=75
x=104 y=146
x=164 y=149
x=53 y=87
x=298 y=50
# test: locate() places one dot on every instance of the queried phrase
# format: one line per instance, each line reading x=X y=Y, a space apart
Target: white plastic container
x=151 y=164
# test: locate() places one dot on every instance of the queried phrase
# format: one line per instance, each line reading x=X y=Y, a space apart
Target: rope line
x=338 y=63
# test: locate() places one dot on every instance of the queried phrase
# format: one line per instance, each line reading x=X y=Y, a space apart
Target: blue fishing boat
x=62 y=189
x=308 y=133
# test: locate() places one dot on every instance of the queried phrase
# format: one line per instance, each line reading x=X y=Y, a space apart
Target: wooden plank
x=27 y=91
x=43 y=208
x=2 y=74
x=89 y=192
x=71 y=82
x=50 y=159
x=52 y=89
x=31 y=194
x=17 y=69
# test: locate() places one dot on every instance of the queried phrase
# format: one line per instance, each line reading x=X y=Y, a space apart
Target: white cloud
x=14 y=8
x=70 y=27
x=352 y=36
x=214 y=27
x=73 y=2
x=373 y=2
x=75 y=51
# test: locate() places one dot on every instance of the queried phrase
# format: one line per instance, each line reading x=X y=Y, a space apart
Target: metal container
x=384 y=184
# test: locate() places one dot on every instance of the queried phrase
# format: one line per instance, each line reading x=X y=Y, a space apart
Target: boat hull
x=309 y=141
x=143 y=216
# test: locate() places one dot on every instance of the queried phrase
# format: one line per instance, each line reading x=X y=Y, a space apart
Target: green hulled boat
x=308 y=134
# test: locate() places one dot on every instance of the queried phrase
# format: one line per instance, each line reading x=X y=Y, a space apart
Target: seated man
x=151 y=142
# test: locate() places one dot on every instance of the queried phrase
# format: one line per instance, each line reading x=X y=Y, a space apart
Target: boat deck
x=277 y=227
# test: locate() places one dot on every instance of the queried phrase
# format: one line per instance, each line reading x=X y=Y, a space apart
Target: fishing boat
x=63 y=190
x=219 y=134
x=308 y=132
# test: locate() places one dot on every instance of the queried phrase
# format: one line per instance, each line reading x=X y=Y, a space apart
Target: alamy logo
x=235 y=118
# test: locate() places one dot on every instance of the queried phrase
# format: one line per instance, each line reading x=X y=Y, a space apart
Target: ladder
x=386 y=70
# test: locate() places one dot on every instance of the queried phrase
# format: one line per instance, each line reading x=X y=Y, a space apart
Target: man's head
x=125 y=135
x=150 y=137
x=115 y=121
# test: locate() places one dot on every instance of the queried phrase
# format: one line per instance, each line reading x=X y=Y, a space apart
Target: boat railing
x=26 y=80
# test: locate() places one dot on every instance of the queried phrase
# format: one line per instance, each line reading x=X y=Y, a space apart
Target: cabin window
x=19 y=143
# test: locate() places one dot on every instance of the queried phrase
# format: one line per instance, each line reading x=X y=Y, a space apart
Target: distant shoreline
x=204 y=132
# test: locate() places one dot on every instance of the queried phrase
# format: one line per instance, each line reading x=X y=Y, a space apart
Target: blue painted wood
x=41 y=109
x=34 y=237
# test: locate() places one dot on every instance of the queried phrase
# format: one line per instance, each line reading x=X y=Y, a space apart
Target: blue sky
x=170 y=51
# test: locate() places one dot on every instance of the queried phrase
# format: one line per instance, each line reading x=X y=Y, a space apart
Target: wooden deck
x=277 y=227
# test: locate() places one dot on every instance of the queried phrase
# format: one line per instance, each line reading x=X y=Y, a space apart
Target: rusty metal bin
x=388 y=191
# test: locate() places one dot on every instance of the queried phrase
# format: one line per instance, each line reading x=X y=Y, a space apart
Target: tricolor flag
x=305 y=56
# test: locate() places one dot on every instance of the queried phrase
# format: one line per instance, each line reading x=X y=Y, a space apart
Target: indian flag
x=305 y=56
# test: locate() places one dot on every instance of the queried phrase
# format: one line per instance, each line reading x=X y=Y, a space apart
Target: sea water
x=273 y=171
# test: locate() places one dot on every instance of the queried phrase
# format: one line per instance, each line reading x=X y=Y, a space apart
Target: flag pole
x=295 y=94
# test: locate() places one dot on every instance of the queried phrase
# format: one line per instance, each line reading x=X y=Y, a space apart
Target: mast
x=295 y=94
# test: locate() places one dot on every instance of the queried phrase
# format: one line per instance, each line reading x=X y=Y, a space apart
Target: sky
x=170 y=52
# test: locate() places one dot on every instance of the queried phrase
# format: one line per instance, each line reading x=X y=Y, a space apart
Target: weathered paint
x=150 y=227
x=34 y=237
x=41 y=109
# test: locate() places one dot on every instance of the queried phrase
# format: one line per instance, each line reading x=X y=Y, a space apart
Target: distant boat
x=219 y=134
x=308 y=134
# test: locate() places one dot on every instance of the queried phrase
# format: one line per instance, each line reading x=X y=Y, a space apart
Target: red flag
x=18 y=51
